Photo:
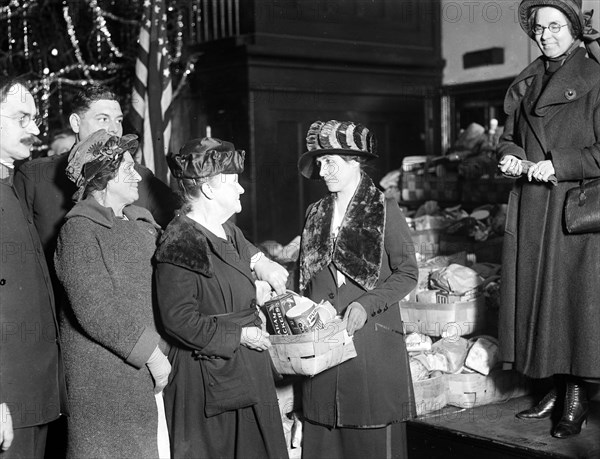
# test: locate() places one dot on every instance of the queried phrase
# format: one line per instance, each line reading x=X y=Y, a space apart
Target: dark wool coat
x=374 y=388
x=550 y=313
x=31 y=380
x=221 y=400
x=108 y=331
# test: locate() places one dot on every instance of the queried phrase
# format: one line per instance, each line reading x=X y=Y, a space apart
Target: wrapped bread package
x=482 y=355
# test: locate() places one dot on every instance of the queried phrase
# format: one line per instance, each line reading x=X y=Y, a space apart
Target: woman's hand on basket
x=356 y=316
x=255 y=338
x=273 y=273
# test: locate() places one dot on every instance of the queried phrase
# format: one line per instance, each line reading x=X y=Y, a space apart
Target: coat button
x=2 y=281
x=570 y=94
x=331 y=296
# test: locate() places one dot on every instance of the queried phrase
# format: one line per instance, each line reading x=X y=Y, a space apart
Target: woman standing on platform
x=357 y=253
x=221 y=400
x=551 y=290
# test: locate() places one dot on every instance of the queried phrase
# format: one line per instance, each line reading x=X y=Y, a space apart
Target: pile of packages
x=460 y=372
x=452 y=278
x=481 y=223
x=450 y=355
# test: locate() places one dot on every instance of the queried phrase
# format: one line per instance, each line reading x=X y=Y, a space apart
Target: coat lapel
x=229 y=253
x=565 y=86
x=358 y=250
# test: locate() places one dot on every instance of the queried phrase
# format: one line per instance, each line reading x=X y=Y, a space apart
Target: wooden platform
x=493 y=432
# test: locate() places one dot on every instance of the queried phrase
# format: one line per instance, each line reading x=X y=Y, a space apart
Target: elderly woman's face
x=124 y=186
x=227 y=193
x=553 y=44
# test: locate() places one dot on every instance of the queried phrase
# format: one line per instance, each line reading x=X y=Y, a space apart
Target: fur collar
x=358 y=250
x=185 y=245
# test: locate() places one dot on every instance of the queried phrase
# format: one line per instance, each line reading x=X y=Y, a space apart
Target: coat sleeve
x=177 y=295
x=400 y=252
x=507 y=145
x=94 y=301
x=588 y=165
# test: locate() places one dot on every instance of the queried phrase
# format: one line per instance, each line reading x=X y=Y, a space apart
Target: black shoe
x=543 y=409
x=575 y=412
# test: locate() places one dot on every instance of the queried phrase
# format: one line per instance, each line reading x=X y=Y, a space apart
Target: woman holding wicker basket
x=356 y=253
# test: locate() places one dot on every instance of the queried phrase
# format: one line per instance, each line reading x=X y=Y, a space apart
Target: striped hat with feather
x=335 y=138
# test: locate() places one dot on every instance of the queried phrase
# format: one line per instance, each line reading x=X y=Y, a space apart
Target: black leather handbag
x=582 y=208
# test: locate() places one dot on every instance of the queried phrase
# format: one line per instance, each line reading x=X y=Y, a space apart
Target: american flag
x=152 y=90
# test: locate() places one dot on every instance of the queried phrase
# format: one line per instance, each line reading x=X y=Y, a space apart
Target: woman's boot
x=575 y=411
x=543 y=409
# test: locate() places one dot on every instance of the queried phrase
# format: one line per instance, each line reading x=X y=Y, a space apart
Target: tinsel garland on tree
x=59 y=46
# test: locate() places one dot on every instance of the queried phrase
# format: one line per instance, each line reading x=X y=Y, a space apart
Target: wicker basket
x=467 y=390
x=430 y=394
x=311 y=353
x=426 y=242
x=433 y=319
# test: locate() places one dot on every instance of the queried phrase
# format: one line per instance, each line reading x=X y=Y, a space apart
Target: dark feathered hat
x=207 y=157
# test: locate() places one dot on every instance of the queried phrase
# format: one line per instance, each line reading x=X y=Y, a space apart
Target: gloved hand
x=6 y=428
x=356 y=316
x=159 y=367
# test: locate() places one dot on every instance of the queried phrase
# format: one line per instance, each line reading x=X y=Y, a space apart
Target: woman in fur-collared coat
x=220 y=400
x=551 y=297
x=356 y=253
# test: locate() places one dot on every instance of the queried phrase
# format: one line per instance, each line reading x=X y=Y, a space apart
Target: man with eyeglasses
x=31 y=380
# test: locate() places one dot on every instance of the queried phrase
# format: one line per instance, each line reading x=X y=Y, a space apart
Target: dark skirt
x=347 y=443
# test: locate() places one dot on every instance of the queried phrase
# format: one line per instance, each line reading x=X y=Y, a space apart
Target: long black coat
x=220 y=400
x=31 y=378
x=550 y=312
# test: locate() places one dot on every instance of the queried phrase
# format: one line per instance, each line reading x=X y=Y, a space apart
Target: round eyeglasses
x=25 y=119
x=552 y=27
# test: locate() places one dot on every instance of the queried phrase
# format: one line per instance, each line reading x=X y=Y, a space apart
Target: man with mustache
x=31 y=380
x=48 y=192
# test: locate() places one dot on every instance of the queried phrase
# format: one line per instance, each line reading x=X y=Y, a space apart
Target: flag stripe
x=152 y=91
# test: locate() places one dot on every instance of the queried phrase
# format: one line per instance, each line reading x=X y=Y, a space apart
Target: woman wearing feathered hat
x=551 y=290
x=357 y=253
x=113 y=362
x=221 y=399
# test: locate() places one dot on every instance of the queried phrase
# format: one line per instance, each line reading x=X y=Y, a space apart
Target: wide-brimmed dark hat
x=93 y=154
x=570 y=8
x=207 y=157
x=335 y=138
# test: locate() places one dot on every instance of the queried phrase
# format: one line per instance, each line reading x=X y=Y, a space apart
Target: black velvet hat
x=207 y=157
x=335 y=138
